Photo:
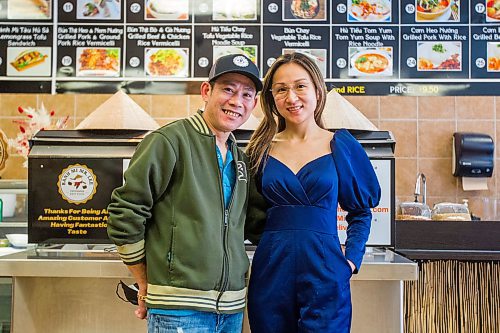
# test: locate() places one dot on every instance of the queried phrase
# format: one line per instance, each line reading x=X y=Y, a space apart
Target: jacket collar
x=200 y=125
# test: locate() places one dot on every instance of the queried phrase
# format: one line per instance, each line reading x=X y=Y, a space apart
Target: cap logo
x=240 y=61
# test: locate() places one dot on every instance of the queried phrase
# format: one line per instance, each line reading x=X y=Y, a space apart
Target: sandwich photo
x=28 y=59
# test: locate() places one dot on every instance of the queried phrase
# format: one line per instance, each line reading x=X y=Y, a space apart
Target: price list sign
x=26 y=46
x=312 y=41
x=435 y=52
x=214 y=41
x=365 y=52
x=90 y=38
x=362 y=47
x=158 y=51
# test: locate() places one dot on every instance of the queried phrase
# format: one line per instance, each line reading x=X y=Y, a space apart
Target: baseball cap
x=236 y=63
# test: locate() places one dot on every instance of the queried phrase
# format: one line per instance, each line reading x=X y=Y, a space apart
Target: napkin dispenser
x=473 y=155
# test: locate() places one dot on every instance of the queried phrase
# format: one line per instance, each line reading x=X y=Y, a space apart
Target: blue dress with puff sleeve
x=300 y=276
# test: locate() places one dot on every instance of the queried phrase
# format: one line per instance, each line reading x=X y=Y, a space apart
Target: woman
x=300 y=275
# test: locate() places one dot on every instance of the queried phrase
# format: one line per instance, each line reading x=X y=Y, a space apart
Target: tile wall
x=423 y=128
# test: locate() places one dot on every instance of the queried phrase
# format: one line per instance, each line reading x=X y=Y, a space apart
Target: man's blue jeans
x=199 y=322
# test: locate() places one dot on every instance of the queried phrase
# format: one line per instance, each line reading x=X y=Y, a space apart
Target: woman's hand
x=353 y=267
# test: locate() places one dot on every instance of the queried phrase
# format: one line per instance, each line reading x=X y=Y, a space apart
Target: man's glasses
x=280 y=91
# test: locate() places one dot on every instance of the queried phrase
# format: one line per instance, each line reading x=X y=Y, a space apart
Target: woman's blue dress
x=300 y=276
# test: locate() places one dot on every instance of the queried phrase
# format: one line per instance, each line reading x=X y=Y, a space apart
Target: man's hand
x=141 y=310
x=139 y=273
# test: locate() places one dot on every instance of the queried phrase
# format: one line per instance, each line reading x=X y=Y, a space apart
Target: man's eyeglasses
x=280 y=91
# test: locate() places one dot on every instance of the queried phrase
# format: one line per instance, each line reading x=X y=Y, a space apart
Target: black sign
x=146 y=46
x=69 y=197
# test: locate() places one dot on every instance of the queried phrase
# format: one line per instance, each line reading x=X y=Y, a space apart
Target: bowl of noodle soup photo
x=492 y=10
x=430 y=10
x=304 y=10
x=370 y=61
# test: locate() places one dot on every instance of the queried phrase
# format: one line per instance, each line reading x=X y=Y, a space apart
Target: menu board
x=362 y=47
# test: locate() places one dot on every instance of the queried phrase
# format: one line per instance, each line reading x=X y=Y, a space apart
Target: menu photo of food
x=369 y=10
x=29 y=9
x=492 y=10
x=234 y=10
x=317 y=55
x=437 y=10
x=370 y=61
x=493 y=53
x=29 y=61
x=248 y=50
x=439 y=56
x=294 y=10
x=97 y=61
x=98 y=9
x=172 y=10
x=166 y=62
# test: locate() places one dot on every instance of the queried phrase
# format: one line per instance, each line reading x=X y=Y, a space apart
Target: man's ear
x=205 y=90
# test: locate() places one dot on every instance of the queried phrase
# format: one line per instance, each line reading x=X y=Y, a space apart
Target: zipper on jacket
x=170 y=253
x=225 y=261
x=223 y=232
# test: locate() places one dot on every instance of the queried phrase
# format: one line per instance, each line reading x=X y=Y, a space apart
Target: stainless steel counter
x=74 y=291
x=378 y=264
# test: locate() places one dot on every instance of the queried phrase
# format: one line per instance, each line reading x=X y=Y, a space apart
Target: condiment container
x=414 y=211
x=448 y=211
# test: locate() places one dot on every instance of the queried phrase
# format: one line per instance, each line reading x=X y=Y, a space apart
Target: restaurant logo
x=240 y=61
x=77 y=184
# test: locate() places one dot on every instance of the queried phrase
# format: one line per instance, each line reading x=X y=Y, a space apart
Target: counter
x=459 y=266
x=477 y=240
x=9 y=250
x=74 y=291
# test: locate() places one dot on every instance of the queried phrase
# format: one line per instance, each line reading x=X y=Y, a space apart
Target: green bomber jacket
x=170 y=213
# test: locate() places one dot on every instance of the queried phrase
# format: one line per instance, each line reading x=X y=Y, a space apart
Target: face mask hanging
x=130 y=292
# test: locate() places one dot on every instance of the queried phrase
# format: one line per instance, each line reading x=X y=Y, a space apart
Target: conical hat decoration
x=251 y=124
x=118 y=112
x=339 y=113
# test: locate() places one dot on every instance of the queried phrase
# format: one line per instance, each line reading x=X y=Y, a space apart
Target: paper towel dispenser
x=473 y=155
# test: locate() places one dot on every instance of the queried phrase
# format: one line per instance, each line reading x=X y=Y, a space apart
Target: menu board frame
x=167 y=47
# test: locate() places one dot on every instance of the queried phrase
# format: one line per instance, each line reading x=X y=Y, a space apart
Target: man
x=178 y=220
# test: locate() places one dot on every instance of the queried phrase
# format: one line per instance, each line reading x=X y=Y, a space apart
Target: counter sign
x=77 y=184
